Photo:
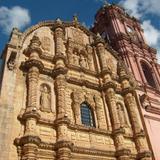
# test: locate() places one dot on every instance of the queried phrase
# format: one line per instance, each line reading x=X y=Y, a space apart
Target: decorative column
x=100 y=47
x=59 y=31
x=30 y=141
x=100 y=112
x=130 y=101
x=122 y=152
x=63 y=146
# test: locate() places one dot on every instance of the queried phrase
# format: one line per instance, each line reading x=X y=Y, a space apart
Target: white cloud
x=132 y=7
x=151 y=34
x=141 y=9
x=13 y=17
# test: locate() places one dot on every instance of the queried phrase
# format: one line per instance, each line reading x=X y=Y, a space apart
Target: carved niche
x=83 y=61
x=75 y=57
x=45 y=98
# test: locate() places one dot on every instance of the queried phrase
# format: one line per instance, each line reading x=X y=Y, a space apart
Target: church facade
x=67 y=95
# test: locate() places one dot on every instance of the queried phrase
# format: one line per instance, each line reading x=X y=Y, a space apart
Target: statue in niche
x=45 y=99
x=83 y=62
x=121 y=115
x=75 y=58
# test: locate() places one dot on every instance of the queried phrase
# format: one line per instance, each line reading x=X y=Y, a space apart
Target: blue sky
x=24 y=13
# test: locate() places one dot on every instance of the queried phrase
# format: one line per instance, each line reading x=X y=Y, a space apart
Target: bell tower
x=125 y=34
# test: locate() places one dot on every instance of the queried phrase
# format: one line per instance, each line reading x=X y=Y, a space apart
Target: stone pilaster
x=60 y=84
x=100 y=47
x=122 y=152
x=130 y=101
x=30 y=141
x=63 y=146
x=100 y=113
x=59 y=58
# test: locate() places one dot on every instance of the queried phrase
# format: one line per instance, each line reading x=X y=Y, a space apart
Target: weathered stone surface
x=41 y=99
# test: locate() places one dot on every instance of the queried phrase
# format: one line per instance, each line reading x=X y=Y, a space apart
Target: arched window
x=148 y=74
x=87 y=116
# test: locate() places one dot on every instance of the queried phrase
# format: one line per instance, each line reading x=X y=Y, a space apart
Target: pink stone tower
x=125 y=34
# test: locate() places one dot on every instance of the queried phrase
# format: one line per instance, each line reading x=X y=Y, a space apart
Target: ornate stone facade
x=59 y=68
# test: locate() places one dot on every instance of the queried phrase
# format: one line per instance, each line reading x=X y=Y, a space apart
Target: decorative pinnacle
x=98 y=35
x=58 y=20
x=99 y=39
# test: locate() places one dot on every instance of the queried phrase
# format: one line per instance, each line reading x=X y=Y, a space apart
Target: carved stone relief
x=121 y=115
x=99 y=112
x=76 y=58
x=46 y=43
x=90 y=100
x=110 y=64
x=45 y=98
x=80 y=56
x=77 y=99
x=90 y=57
x=30 y=127
x=77 y=36
x=83 y=61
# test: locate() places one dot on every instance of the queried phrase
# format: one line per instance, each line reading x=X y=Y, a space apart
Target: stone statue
x=75 y=59
x=45 y=99
x=83 y=61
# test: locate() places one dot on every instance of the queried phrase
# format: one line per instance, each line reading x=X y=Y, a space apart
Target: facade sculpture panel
x=70 y=91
